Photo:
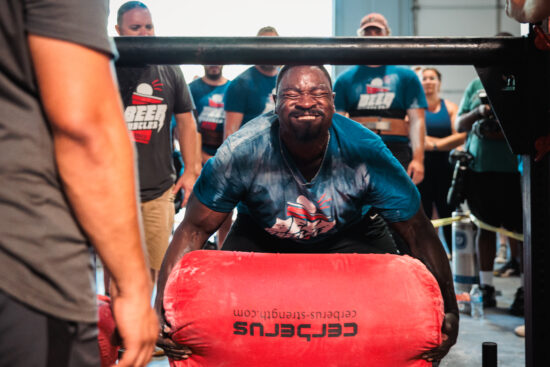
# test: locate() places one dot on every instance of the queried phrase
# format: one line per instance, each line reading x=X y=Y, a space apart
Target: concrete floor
x=497 y=326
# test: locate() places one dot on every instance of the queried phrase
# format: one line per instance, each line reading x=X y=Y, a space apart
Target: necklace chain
x=297 y=179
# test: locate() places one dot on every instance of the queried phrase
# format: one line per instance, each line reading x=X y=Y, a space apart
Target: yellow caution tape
x=446 y=221
x=488 y=227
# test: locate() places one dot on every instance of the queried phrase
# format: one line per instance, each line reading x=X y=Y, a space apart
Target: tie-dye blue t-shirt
x=358 y=172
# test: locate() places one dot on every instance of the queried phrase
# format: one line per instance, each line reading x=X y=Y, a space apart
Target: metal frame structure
x=515 y=74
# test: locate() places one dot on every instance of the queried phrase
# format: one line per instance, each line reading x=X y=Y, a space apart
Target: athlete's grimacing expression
x=305 y=103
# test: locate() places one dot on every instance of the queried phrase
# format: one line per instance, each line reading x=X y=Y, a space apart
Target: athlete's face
x=136 y=22
x=430 y=81
x=304 y=103
x=213 y=72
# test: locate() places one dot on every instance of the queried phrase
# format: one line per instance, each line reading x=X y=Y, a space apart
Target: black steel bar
x=332 y=50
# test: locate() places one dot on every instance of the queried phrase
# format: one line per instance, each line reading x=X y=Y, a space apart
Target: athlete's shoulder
x=352 y=132
x=254 y=133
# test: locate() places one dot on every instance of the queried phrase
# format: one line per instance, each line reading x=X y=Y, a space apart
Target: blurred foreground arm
x=528 y=11
x=95 y=160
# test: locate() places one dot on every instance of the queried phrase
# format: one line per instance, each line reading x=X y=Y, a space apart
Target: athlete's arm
x=188 y=140
x=425 y=245
x=233 y=121
x=197 y=226
x=95 y=160
x=417 y=131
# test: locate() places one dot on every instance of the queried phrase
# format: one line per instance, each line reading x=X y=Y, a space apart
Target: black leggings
x=367 y=236
x=438 y=175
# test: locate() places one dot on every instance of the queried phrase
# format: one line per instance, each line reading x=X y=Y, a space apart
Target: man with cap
x=250 y=93
x=387 y=99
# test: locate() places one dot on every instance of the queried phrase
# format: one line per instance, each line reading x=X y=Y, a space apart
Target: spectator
x=382 y=98
x=441 y=138
x=208 y=93
x=250 y=93
x=493 y=189
x=151 y=95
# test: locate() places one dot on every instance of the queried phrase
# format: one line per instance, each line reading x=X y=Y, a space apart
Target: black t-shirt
x=44 y=256
x=151 y=95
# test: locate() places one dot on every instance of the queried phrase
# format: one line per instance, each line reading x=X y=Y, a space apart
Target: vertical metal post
x=536 y=228
x=489 y=354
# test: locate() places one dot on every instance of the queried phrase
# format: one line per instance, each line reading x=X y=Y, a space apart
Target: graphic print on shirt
x=378 y=95
x=146 y=113
x=304 y=220
x=269 y=102
x=213 y=114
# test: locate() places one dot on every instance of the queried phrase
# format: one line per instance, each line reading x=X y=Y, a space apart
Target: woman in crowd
x=441 y=138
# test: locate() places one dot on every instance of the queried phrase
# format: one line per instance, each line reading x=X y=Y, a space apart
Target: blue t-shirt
x=358 y=172
x=250 y=93
x=384 y=91
x=211 y=115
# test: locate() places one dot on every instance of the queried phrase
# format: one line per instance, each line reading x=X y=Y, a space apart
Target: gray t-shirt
x=151 y=96
x=44 y=255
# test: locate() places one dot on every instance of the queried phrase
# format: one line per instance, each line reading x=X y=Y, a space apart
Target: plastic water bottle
x=476 y=302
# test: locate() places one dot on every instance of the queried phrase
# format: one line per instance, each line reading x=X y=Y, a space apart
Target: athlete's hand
x=449 y=331
x=137 y=325
x=416 y=171
x=185 y=183
x=172 y=349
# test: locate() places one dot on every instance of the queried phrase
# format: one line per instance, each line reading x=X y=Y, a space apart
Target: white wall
x=231 y=18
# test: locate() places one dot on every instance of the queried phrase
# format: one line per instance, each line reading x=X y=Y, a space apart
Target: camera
x=457 y=192
x=487 y=127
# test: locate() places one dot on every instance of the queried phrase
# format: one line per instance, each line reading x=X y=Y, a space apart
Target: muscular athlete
x=305 y=178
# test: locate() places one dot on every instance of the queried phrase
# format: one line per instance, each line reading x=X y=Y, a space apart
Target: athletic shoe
x=489 y=296
x=517 y=307
x=501 y=254
x=510 y=269
x=520 y=331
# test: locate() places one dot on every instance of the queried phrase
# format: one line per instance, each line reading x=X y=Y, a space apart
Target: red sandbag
x=251 y=309
x=106 y=326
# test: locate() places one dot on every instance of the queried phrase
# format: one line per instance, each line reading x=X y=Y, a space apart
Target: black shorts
x=402 y=151
x=495 y=198
x=371 y=235
x=32 y=338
